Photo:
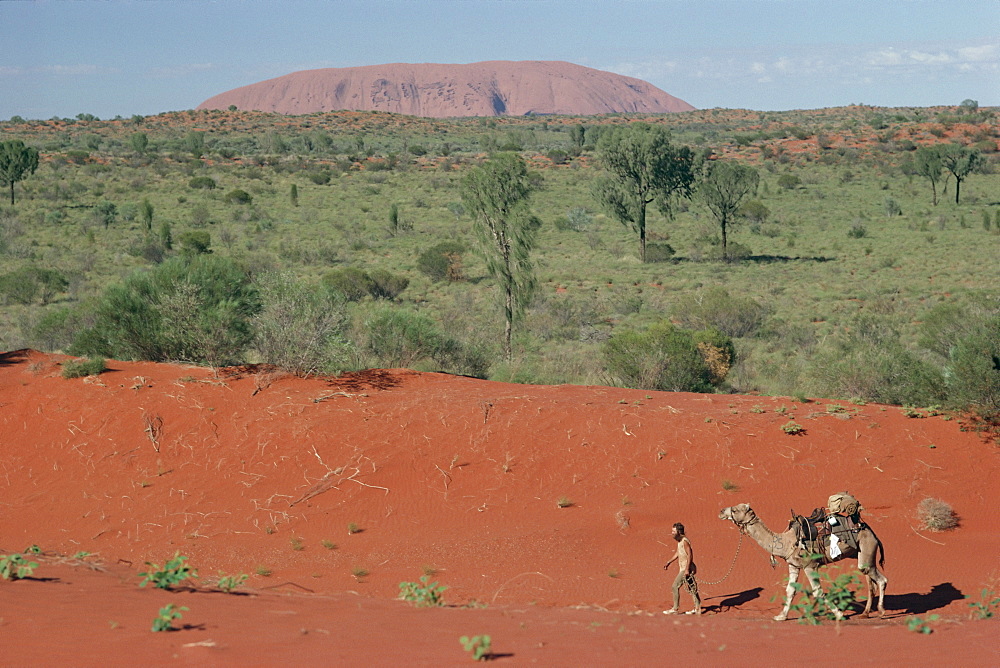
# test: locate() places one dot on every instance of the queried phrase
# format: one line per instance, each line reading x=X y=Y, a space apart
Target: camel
x=788 y=546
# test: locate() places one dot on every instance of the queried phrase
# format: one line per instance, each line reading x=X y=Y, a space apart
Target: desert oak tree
x=642 y=167
x=496 y=194
x=723 y=189
x=960 y=161
x=16 y=162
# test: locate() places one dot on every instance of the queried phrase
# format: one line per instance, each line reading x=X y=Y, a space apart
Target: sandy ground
x=546 y=511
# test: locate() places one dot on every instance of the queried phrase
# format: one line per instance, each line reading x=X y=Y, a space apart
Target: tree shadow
x=736 y=600
x=939 y=596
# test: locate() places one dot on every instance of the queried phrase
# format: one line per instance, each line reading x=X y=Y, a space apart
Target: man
x=686 y=572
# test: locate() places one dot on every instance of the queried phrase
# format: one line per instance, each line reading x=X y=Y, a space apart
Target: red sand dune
x=494 y=88
x=249 y=470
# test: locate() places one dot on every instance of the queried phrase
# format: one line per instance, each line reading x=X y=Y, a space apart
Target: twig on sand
x=497 y=593
x=925 y=537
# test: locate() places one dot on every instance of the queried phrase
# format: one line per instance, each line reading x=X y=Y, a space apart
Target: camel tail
x=880 y=549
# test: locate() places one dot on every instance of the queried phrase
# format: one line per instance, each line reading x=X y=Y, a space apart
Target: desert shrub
x=789 y=181
x=55 y=329
x=662 y=357
x=557 y=156
x=870 y=362
x=237 y=196
x=442 y=261
x=299 y=328
x=936 y=515
x=716 y=308
x=320 y=178
x=754 y=212
x=386 y=285
x=353 y=283
x=395 y=337
x=195 y=242
x=85 y=367
x=718 y=352
x=657 y=252
x=202 y=183
x=27 y=284
x=194 y=308
x=857 y=231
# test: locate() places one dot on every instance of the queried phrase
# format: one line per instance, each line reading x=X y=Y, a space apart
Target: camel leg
x=871 y=594
x=817 y=591
x=882 y=581
x=793 y=576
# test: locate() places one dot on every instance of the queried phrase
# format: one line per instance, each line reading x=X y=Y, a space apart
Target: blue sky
x=60 y=58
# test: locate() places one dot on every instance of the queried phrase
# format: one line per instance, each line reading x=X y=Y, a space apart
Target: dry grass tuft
x=936 y=515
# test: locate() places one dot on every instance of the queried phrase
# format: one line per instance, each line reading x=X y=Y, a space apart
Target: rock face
x=494 y=88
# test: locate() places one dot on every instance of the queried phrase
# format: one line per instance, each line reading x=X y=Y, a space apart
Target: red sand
x=464 y=477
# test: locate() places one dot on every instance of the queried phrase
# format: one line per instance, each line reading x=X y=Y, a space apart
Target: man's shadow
x=939 y=596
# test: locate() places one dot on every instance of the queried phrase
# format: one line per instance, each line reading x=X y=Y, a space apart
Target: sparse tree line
x=200 y=307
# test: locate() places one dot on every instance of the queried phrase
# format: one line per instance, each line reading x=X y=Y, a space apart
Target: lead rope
x=730 y=571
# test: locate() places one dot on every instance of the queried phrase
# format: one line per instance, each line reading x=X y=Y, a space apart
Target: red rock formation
x=494 y=88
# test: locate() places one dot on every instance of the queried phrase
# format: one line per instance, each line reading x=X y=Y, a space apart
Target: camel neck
x=780 y=545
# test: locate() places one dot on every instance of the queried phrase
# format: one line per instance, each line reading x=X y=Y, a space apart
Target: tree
x=642 y=167
x=146 y=212
x=725 y=186
x=139 y=142
x=496 y=194
x=929 y=165
x=17 y=161
x=960 y=161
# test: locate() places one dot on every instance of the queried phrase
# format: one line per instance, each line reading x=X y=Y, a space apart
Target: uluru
x=492 y=88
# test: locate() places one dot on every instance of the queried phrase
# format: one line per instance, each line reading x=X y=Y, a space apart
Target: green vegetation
x=840 y=594
x=115 y=250
x=85 y=367
x=172 y=573
x=986 y=606
x=229 y=583
x=478 y=646
x=16 y=567
x=164 y=621
x=422 y=594
x=17 y=162
x=921 y=625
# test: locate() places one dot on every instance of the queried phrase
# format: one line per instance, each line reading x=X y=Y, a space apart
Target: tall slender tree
x=642 y=166
x=497 y=194
x=725 y=186
x=960 y=161
x=17 y=161
x=929 y=166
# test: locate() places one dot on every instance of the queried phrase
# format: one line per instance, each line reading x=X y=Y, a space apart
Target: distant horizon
x=65 y=59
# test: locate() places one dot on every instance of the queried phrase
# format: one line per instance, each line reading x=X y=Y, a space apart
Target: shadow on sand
x=939 y=596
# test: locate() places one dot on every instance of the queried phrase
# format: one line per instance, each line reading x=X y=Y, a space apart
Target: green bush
x=355 y=284
x=195 y=242
x=195 y=308
x=716 y=308
x=27 y=284
x=300 y=328
x=81 y=368
x=662 y=357
x=395 y=337
x=659 y=252
x=238 y=196
x=386 y=285
x=789 y=181
x=442 y=261
x=202 y=183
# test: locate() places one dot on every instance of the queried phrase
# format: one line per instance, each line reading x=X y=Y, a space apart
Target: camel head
x=740 y=515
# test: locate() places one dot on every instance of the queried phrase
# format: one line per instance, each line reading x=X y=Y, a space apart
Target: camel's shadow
x=736 y=600
x=939 y=596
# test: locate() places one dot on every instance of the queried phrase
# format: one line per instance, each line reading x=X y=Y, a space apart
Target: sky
x=119 y=58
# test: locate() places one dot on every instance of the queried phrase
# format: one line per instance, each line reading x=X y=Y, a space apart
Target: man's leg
x=692 y=586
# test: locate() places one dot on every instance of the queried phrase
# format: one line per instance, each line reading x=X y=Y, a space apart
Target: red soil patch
x=464 y=477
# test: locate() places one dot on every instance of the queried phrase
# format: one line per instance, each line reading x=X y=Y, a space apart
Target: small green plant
x=172 y=573
x=918 y=625
x=985 y=607
x=165 y=620
x=564 y=502
x=730 y=486
x=228 y=583
x=328 y=544
x=82 y=368
x=297 y=544
x=16 y=567
x=613 y=573
x=757 y=409
x=840 y=595
x=478 y=645
x=422 y=595
x=353 y=528
x=359 y=572
x=792 y=428
x=263 y=571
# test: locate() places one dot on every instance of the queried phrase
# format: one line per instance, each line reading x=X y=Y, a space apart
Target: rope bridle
x=731 y=566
